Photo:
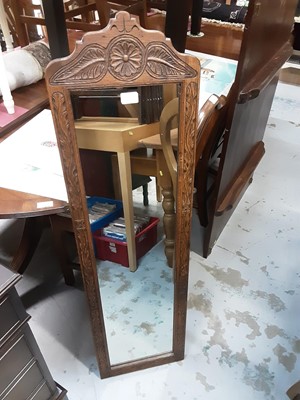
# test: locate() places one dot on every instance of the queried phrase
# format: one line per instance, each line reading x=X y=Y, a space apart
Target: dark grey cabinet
x=24 y=374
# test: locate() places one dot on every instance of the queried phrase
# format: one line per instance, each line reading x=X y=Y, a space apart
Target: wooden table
x=218 y=40
x=15 y=204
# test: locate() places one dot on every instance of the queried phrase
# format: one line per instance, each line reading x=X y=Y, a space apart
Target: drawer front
x=43 y=393
x=12 y=315
x=13 y=359
x=25 y=385
x=23 y=369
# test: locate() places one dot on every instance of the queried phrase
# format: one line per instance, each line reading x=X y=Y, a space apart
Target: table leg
x=56 y=28
x=5 y=28
x=126 y=189
x=61 y=225
x=7 y=98
x=30 y=239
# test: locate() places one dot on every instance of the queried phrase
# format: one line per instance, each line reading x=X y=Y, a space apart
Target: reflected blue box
x=116 y=213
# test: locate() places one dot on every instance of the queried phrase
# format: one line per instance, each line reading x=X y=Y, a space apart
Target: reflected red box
x=116 y=251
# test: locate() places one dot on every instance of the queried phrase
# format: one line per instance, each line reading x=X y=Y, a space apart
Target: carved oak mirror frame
x=122 y=55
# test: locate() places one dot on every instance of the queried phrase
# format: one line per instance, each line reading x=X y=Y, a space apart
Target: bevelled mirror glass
x=134 y=265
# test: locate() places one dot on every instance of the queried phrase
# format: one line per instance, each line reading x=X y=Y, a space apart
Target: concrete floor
x=243 y=302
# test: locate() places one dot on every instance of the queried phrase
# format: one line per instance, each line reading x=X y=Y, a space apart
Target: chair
x=21 y=34
x=133 y=7
x=24 y=18
x=209 y=143
x=83 y=15
x=153 y=163
x=294 y=391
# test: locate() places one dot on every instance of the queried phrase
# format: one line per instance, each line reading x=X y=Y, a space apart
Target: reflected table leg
x=126 y=189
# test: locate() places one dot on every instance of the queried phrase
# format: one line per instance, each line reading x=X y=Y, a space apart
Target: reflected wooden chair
x=153 y=163
x=161 y=161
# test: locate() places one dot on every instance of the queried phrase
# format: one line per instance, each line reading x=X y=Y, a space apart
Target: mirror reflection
x=132 y=218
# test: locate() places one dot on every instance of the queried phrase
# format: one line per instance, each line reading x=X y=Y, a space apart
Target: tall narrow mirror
x=137 y=298
x=117 y=93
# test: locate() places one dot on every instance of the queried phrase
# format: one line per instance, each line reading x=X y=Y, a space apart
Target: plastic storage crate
x=101 y=222
x=116 y=251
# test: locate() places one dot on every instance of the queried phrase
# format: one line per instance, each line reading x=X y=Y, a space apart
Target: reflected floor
x=137 y=306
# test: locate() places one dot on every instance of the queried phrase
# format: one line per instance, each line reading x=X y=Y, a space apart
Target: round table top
x=15 y=204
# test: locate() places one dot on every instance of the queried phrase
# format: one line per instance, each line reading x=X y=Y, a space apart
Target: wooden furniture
x=5 y=29
x=294 y=391
x=13 y=204
x=120 y=135
x=296 y=32
x=140 y=164
x=7 y=98
x=24 y=17
x=212 y=120
x=32 y=99
x=263 y=51
x=33 y=209
x=4 y=84
x=19 y=35
x=83 y=15
x=218 y=40
x=24 y=373
x=161 y=163
x=133 y=7
x=210 y=129
x=136 y=58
